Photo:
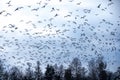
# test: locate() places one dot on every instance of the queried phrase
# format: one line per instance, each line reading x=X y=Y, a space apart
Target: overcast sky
x=56 y=31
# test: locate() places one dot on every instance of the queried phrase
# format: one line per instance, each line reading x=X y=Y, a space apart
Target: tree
x=49 y=73
x=117 y=74
x=83 y=73
x=29 y=73
x=76 y=68
x=5 y=75
x=56 y=75
x=38 y=73
x=1 y=69
x=15 y=74
x=68 y=74
x=103 y=75
x=109 y=75
x=61 y=72
x=101 y=68
x=92 y=69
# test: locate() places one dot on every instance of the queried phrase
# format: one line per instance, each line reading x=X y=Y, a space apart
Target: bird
x=11 y=25
x=2 y=12
x=87 y=11
x=53 y=9
x=60 y=0
x=8 y=14
x=9 y=3
x=79 y=3
x=55 y=15
x=18 y=8
x=35 y=9
x=99 y=6
x=39 y=3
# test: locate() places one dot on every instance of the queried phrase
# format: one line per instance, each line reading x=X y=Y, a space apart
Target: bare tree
x=61 y=71
x=49 y=73
x=29 y=73
x=38 y=72
x=117 y=74
x=68 y=74
x=92 y=69
x=101 y=66
x=1 y=70
x=77 y=70
x=15 y=74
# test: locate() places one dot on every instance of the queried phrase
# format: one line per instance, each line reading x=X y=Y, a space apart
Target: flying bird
x=2 y=11
x=18 y=8
x=99 y=6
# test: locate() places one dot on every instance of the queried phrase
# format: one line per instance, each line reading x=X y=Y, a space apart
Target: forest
x=97 y=70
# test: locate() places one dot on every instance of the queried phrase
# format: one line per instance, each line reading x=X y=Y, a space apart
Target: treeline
x=96 y=71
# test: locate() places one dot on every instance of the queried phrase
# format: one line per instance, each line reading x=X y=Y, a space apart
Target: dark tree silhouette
x=38 y=73
x=83 y=73
x=49 y=73
x=15 y=74
x=1 y=69
x=117 y=74
x=75 y=71
x=101 y=69
x=61 y=72
x=68 y=74
x=56 y=75
x=29 y=73
x=76 y=68
x=109 y=75
x=103 y=75
x=5 y=75
x=92 y=70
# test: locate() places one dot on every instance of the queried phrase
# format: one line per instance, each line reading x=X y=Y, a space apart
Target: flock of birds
x=56 y=33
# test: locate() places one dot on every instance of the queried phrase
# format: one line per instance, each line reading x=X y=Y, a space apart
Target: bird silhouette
x=99 y=6
x=18 y=8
